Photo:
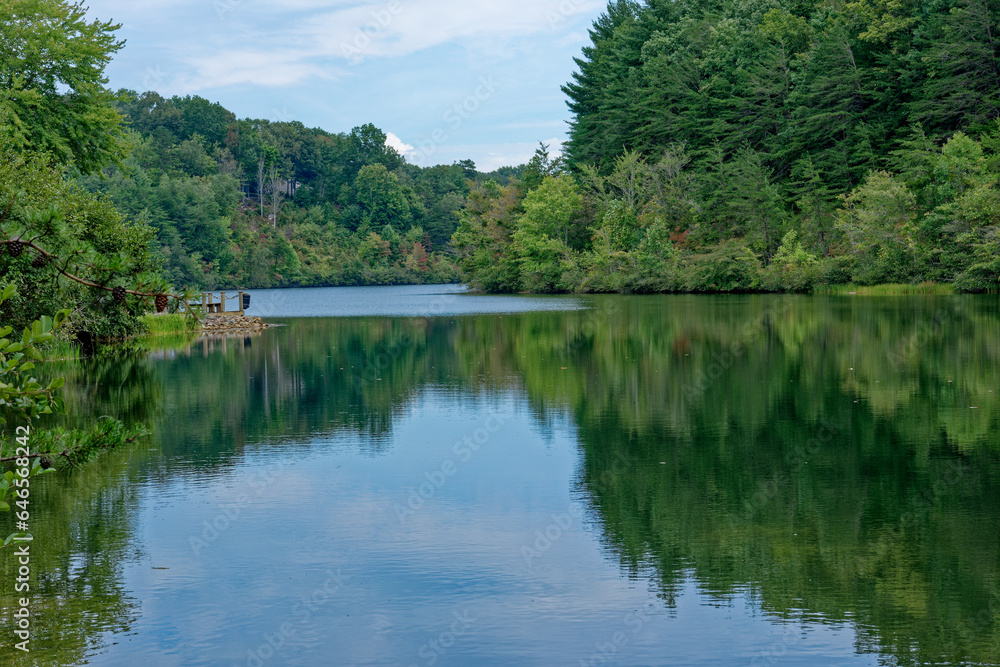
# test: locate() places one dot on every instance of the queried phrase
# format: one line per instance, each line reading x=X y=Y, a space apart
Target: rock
x=232 y=322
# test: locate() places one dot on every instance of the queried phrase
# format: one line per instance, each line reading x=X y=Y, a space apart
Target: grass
x=60 y=350
x=886 y=290
x=164 y=342
x=169 y=324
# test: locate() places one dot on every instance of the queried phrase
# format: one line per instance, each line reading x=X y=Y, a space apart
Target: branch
x=82 y=281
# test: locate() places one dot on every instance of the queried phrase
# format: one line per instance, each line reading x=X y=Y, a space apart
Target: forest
x=714 y=146
x=255 y=203
x=771 y=145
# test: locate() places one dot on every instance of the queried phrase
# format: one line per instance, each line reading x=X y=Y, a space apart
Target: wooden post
x=240 y=297
x=222 y=303
x=204 y=302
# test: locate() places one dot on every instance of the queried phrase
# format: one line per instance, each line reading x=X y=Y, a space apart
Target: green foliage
x=169 y=324
x=484 y=238
x=877 y=221
x=730 y=267
x=52 y=94
x=552 y=209
x=984 y=273
x=73 y=447
x=867 y=127
x=22 y=396
x=621 y=225
x=253 y=203
x=380 y=198
x=74 y=249
x=792 y=269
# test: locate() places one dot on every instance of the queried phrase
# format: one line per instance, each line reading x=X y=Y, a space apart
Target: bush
x=793 y=268
x=984 y=274
x=729 y=267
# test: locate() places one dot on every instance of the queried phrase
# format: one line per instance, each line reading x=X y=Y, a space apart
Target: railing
x=210 y=306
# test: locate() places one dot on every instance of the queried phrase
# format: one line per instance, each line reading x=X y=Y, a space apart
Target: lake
x=416 y=476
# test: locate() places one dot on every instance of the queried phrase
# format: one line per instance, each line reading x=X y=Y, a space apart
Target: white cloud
x=392 y=141
x=232 y=42
x=400 y=28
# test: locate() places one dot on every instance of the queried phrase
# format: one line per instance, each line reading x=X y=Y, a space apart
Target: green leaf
x=8 y=292
x=4 y=507
x=12 y=536
x=57 y=383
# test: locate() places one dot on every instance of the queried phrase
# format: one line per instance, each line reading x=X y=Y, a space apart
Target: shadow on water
x=835 y=459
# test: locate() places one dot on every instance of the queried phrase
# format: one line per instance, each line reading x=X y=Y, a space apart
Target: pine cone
x=39 y=261
x=161 y=302
x=46 y=464
x=119 y=294
x=15 y=248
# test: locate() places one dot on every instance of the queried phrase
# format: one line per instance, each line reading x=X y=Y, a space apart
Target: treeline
x=254 y=203
x=763 y=145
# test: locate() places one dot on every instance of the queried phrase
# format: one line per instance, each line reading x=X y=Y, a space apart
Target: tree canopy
x=53 y=95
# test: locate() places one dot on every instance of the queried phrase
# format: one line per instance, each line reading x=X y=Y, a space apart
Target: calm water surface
x=732 y=480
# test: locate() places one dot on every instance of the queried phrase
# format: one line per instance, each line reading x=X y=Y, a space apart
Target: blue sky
x=450 y=79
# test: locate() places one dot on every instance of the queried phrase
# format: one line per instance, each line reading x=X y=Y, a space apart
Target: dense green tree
x=53 y=97
x=381 y=198
x=64 y=246
x=484 y=238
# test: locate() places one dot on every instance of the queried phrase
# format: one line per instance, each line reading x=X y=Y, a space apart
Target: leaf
x=57 y=383
x=8 y=292
x=13 y=536
x=4 y=507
